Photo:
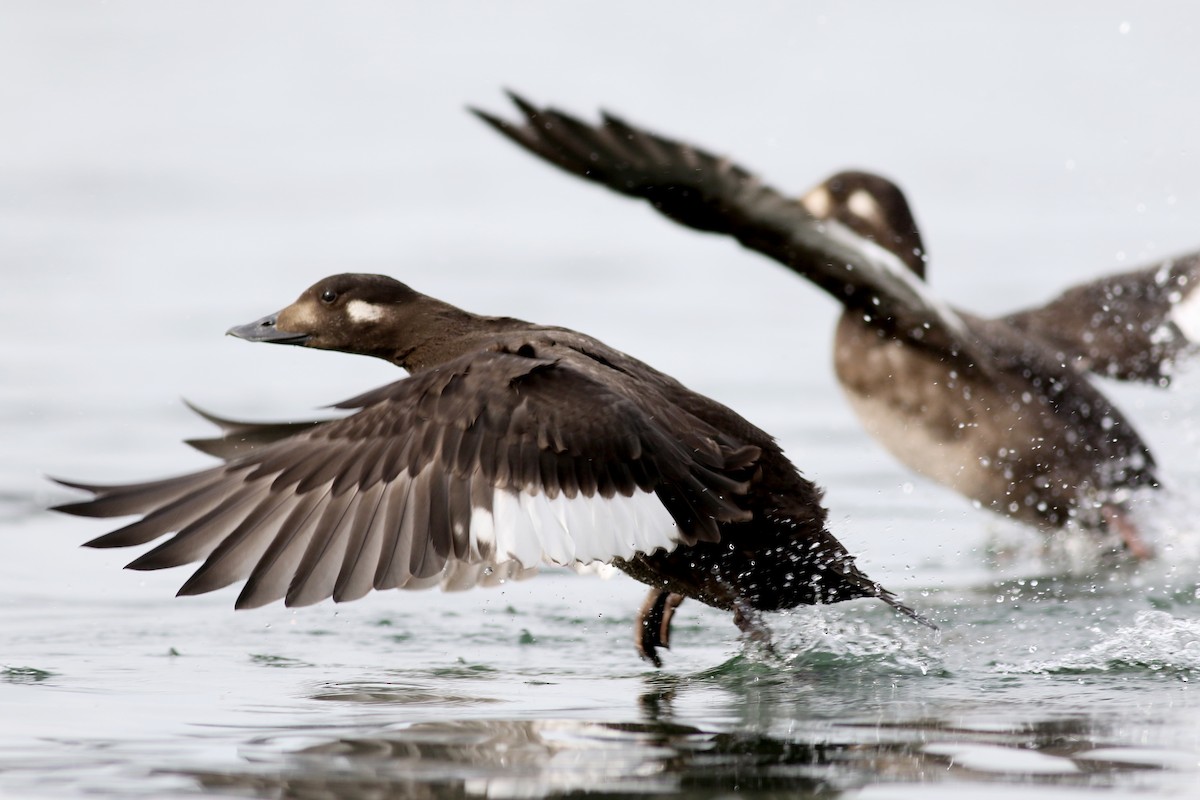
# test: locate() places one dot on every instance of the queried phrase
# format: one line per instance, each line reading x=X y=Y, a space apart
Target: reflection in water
x=507 y=758
x=395 y=694
x=534 y=758
x=758 y=725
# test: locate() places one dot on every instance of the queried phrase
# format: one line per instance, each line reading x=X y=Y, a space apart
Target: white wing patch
x=362 y=311
x=526 y=529
x=375 y=538
x=1186 y=315
x=533 y=528
x=895 y=276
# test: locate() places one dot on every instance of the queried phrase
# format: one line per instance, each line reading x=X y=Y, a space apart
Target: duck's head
x=874 y=208
x=370 y=315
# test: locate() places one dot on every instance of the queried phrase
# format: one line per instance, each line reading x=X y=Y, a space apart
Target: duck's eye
x=328 y=296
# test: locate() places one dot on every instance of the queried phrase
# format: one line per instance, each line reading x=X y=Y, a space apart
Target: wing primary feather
x=137 y=498
x=393 y=569
x=466 y=458
x=200 y=537
x=548 y=473
x=333 y=464
x=362 y=551
x=273 y=573
x=358 y=471
x=394 y=459
x=423 y=561
x=440 y=534
x=460 y=575
x=458 y=510
x=175 y=515
x=317 y=571
x=293 y=467
x=236 y=554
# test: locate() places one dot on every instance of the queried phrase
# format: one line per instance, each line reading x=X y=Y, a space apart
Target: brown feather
x=271 y=576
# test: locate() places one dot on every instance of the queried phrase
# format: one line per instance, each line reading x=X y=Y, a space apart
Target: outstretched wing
x=1133 y=326
x=703 y=191
x=480 y=469
x=1118 y=453
x=239 y=438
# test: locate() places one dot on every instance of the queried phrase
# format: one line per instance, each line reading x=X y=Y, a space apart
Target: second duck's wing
x=1133 y=326
x=1067 y=400
x=476 y=471
x=703 y=191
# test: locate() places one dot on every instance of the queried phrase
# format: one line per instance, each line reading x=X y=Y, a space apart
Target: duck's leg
x=652 y=628
x=1117 y=520
x=751 y=624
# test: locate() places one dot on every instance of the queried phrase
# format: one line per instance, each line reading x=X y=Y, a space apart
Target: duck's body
x=1000 y=410
x=511 y=445
x=1039 y=458
x=1031 y=437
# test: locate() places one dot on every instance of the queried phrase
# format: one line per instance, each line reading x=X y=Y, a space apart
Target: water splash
x=821 y=638
x=1155 y=642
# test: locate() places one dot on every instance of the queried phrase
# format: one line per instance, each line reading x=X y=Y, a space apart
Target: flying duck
x=1000 y=410
x=509 y=446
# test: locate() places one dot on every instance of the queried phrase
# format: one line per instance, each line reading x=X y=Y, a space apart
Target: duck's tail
x=896 y=603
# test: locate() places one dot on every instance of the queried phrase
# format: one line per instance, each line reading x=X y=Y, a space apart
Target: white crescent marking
x=362 y=311
x=1186 y=315
x=863 y=205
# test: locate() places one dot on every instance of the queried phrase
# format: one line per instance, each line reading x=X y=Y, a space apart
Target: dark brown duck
x=1000 y=410
x=510 y=445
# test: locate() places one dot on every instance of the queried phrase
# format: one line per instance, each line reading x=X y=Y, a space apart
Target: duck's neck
x=443 y=332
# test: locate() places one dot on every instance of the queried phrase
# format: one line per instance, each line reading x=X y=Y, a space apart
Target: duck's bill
x=267 y=330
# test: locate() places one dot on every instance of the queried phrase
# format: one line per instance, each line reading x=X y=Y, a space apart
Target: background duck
x=511 y=445
x=1000 y=410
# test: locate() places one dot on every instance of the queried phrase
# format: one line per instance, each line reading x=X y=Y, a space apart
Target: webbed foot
x=1117 y=520
x=750 y=623
x=652 y=628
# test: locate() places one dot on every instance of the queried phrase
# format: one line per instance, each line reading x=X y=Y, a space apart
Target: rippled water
x=167 y=171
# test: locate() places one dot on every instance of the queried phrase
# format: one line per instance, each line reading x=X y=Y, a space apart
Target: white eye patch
x=1186 y=315
x=362 y=311
x=863 y=205
x=818 y=202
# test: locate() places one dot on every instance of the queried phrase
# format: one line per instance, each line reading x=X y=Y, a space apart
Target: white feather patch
x=482 y=536
x=1186 y=315
x=520 y=531
x=818 y=202
x=896 y=278
x=532 y=528
x=362 y=311
x=863 y=205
